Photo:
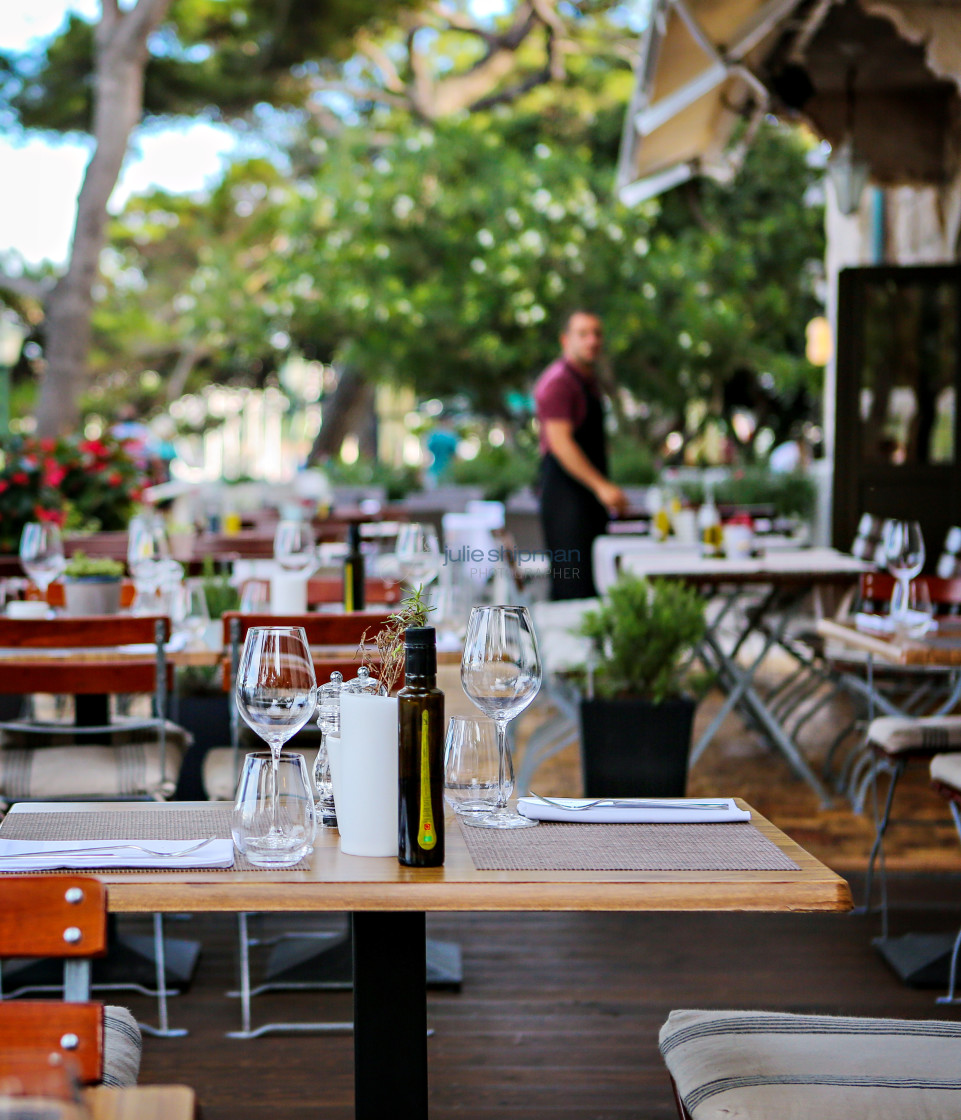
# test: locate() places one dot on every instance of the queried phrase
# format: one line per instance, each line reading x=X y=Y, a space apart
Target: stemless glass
x=274 y=794
x=904 y=553
x=471 y=765
x=41 y=553
x=276 y=695
x=501 y=673
x=294 y=548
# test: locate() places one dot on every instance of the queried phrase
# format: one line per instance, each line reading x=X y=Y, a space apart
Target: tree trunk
x=119 y=64
x=343 y=413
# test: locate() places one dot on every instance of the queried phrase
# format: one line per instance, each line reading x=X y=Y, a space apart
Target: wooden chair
x=94 y=759
x=116 y=766
x=769 y=1066
x=64 y=916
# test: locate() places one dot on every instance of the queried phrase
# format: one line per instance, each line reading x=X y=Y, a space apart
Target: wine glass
x=190 y=612
x=41 y=553
x=294 y=548
x=418 y=553
x=148 y=552
x=501 y=673
x=904 y=553
x=276 y=695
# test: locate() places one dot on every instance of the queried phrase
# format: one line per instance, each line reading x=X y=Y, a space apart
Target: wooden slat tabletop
x=336 y=882
x=941 y=650
x=141 y=1102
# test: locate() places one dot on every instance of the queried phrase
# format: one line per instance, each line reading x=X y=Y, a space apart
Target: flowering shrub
x=90 y=482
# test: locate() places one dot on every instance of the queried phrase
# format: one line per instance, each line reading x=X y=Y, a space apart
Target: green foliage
x=49 y=479
x=631 y=462
x=641 y=634
x=220 y=593
x=81 y=566
x=501 y=471
x=222 y=57
x=398 y=482
x=791 y=495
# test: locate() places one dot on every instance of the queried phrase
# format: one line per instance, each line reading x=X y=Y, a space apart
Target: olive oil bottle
x=420 y=737
x=353 y=571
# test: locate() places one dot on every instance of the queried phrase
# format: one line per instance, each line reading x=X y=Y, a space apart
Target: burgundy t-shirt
x=559 y=395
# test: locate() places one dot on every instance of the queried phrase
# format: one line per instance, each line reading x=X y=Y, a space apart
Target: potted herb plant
x=636 y=724
x=91 y=585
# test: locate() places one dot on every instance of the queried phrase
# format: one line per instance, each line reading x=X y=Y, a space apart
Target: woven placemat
x=625 y=847
x=133 y=824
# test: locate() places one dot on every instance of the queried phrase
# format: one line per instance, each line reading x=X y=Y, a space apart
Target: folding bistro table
x=389 y=903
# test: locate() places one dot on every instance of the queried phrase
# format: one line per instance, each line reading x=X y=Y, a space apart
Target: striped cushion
x=946 y=768
x=757 y=1065
x=897 y=735
x=122 y=1046
x=220 y=782
x=54 y=773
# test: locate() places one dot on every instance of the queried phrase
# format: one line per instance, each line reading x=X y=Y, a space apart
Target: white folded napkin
x=628 y=810
x=42 y=855
x=885 y=624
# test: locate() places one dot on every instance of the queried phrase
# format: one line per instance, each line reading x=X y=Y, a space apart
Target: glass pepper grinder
x=365 y=683
x=328 y=720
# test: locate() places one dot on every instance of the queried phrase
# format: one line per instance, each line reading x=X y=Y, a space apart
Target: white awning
x=691 y=89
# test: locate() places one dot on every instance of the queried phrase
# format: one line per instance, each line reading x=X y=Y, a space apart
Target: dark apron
x=571 y=516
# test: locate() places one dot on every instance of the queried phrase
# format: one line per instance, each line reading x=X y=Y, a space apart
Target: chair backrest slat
x=321 y=628
x=876 y=588
x=74 y=1031
x=91 y=632
x=46 y=916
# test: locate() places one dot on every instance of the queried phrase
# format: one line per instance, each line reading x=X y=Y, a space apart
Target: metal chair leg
x=163 y=1030
x=951 y=996
x=877 y=849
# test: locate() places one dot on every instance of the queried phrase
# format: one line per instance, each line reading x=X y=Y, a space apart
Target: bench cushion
x=896 y=735
x=122 y=1045
x=946 y=768
x=756 y=1065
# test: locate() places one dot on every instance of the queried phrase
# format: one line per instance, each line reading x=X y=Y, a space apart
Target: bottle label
x=426 y=833
x=348 y=586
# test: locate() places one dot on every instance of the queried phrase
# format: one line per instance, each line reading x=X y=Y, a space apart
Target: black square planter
x=634 y=748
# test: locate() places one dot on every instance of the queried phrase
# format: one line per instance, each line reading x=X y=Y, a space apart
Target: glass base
x=262 y=851
x=499 y=818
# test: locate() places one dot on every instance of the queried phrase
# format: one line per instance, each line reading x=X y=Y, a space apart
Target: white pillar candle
x=364 y=773
x=288 y=593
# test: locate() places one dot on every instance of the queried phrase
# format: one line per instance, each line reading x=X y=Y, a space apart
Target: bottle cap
x=420 y=648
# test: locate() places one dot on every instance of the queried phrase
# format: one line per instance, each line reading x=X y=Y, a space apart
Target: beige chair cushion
x=896 y=735
x=756 y=1065
x=122 y=1047
x=947 y=768
x=54 y=771
x=220 y=781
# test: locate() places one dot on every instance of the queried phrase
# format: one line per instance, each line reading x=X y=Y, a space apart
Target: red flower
x=115 y=478
x=21 y=478
x=93 y=447
x=4 y=485
x=53 y=473
x=47 y=444
x=54 y=516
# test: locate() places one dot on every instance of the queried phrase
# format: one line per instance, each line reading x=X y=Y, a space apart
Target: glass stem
x=501 y=763
x=275 y=749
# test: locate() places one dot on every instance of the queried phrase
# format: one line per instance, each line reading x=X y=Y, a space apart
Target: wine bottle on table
x=420 y=737
x=353 y=571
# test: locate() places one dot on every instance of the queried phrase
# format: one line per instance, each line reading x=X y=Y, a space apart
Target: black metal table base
x=921 y=960
x=390 y=1016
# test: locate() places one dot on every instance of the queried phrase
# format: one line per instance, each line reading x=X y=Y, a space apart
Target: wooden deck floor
x=559 y=1013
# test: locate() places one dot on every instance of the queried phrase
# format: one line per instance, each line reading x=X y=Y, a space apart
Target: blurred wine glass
x=41 y=553
x=189 y=612
x=148 y=558
x=418 y=554
x=904 y=554
x=294 y=548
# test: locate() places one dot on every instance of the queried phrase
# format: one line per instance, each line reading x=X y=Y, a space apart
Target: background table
x=389 y=903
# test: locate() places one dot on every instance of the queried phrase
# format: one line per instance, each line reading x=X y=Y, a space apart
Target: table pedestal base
x=921 y=960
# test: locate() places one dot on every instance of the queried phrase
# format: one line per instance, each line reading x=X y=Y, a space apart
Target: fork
x=626 y=803
x=110 y=848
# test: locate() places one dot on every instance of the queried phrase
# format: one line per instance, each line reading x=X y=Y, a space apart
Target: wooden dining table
x=389 y=903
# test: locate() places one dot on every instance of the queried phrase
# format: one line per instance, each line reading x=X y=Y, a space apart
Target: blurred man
x=576 y=497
